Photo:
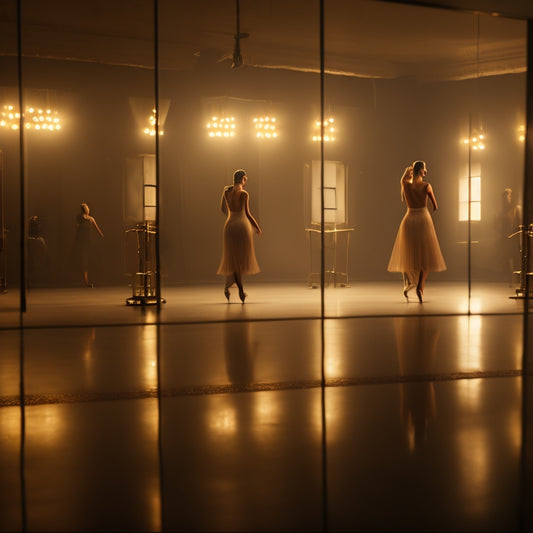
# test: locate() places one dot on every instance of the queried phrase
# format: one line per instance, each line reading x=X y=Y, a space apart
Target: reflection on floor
x=264 y=417
x=107 y=305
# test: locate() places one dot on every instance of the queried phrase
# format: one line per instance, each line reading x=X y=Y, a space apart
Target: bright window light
x=475 y=198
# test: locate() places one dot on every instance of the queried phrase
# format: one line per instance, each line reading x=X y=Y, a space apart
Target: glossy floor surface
x=386 y=415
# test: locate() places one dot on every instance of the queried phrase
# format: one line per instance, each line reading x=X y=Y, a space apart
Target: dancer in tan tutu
x=416 y=251
x=238 y=254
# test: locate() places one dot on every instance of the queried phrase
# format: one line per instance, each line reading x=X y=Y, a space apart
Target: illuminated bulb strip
x=328 y=131
x=265 y=128
x=477 y=142
x=150 y=130
x=221 y=127
x=35 y=119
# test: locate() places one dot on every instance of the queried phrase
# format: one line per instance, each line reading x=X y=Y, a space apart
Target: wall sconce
x=521 y=133
x=34 y=119
x=150 y=130
x=328 y=131
x=265 y=128
x=221 y=127
x=477 y=141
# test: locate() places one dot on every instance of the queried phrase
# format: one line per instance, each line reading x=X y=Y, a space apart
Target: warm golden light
x=477 y=141
x=150 y=130
x=221 y=127
x=34 y=119
x=329 y=130
x=474 y=201
x=521 y=133
x=265 y=128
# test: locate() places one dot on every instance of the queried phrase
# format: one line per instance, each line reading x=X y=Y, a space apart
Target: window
x=475 y=198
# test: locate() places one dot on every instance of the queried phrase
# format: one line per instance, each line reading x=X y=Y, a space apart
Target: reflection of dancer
x=416 y=251
x=416 y=341
x=509 y=223
x=85 y=224
x=239 y=353
x=238 y=255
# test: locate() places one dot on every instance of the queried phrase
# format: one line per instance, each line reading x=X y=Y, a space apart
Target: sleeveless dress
x=238 y=254
x=416 y=247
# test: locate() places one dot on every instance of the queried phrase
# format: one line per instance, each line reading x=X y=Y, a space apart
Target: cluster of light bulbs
x=329 y=130
x=150 y=130
x=265 y=128
x=34 y=119
x=221 y=127
x=477 y=142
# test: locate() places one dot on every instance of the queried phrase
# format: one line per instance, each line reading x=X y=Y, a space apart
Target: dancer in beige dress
x=238 y=254
x=416 y=251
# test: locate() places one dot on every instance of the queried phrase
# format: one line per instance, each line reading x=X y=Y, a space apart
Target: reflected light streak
x=469 y=343
x=337 y=337
x=514 y=428
x=154 y=499
x=266 y=415
x=222 y=416
x=10 y=427
x=149 y=355
x=473 y=450
x=47 y=426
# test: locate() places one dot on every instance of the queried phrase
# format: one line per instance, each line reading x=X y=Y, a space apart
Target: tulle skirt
x=238 y=253
x=416 y=247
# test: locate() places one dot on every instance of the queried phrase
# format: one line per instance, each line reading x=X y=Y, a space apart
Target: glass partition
x=395 y=98
x=223 y=99
x=124 y=126
x=11 y=188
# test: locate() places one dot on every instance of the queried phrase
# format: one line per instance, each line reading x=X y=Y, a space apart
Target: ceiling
x=363 y=38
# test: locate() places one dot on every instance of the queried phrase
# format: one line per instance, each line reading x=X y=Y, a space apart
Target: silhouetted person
x=37 y=251
x=509 y=223
x=416 y=251
x=85 y=227
x=238 y=254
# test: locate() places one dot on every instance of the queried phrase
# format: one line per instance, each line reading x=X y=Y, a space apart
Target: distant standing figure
x=509 y=223
x=238 y=254
x=416 y=251
x=85 y=224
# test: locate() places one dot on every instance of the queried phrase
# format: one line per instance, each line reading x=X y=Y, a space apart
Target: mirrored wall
x=144 y=114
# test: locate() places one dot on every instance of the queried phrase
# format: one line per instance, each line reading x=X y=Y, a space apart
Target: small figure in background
x=37 y=251
x=85 y=225
x=509 y=223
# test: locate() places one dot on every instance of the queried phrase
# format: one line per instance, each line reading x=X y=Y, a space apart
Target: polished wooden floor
x=386 y=415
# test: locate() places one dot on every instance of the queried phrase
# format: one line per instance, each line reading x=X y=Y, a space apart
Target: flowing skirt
x=238 y=254
x=416 y=247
